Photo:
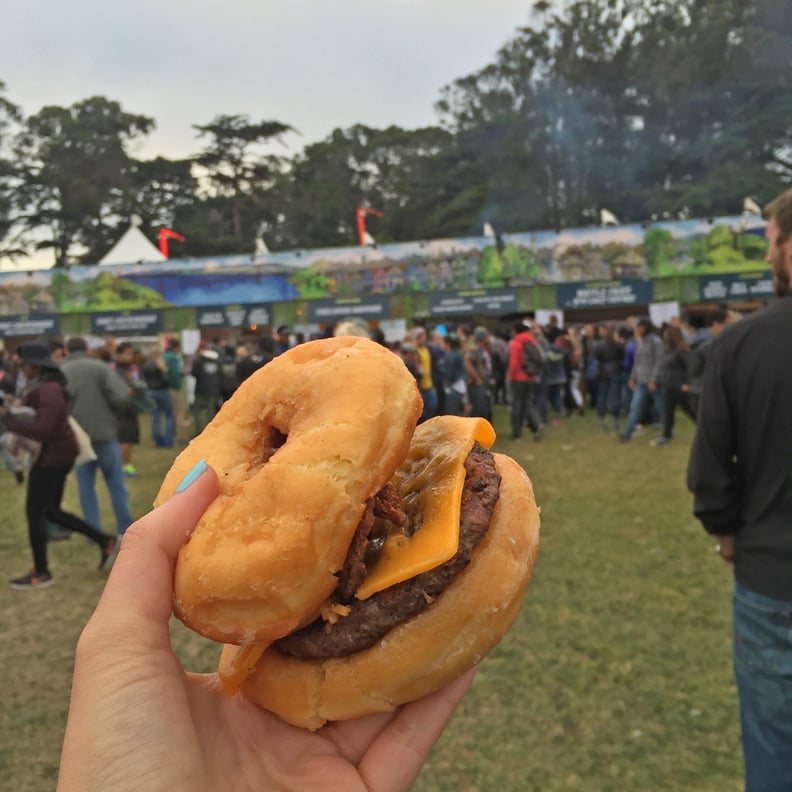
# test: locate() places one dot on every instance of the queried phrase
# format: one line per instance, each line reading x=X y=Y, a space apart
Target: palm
x=190 y=735
x=251 y=749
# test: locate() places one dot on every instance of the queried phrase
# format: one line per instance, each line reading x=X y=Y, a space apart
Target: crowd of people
x=626 y=371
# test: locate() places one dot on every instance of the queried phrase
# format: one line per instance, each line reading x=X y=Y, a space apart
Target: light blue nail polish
x=192 y=475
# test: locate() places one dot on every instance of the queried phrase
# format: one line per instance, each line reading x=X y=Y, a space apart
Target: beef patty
x=370 y=619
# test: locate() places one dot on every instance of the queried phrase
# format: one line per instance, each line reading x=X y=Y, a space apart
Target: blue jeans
x=429 y=396
x=554 y=396
x=108 y=460
x=639 y=395
x=609 y=397
x=162 y=407
x=762 y=655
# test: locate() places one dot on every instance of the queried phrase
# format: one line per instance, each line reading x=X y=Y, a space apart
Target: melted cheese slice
x=236 y=663
x=430 y=481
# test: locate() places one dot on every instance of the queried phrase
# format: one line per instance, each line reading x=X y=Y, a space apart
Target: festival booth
x=590 y=274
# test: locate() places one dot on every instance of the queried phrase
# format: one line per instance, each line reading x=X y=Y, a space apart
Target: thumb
x=138 y=597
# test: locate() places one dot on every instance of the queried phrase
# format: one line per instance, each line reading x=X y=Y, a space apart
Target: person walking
x=175 y=368
x=739 y=474
x=208 y=386
x=45 y=394
x=155 y=375
x=129 y=425
x=426 y=361
x=674 y=374
x=609 y=354
x=525 y=367
x=645 y=375
x=454 y=385
x=478 y=373
x=97 y=393
x=697 y=359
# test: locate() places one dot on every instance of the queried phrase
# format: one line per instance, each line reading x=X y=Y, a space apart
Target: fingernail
x=192 y=475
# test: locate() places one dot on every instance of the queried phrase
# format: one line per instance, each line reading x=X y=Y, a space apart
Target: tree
x=648 y=107
x=10 y=115
x=417 y=178
x=72 y=160
x=154 y=190
x=235 y=165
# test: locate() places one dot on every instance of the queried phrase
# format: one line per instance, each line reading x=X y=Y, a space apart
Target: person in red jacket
x=523 y=382
x=47 y=423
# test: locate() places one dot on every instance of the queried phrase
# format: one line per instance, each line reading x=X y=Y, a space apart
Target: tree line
x=648 y=108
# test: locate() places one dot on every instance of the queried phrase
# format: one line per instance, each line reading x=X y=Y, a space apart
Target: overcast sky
x=315 y=65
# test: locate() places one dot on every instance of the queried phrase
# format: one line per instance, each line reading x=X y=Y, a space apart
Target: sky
x=314 y=64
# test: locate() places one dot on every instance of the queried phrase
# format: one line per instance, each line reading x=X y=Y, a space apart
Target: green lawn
x=616 y=676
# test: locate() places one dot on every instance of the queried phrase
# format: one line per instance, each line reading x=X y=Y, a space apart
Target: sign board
x=373 y=306
x=664 y=312
x=126 y=322
x=234 y=315
x=468 y=302
x=736 y=286
x=604 y=294
x=31 y=325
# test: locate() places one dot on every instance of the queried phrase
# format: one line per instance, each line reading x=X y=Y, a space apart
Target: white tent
x=133 y=247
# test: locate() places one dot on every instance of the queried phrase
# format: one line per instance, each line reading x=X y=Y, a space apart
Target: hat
x=480 y=334
x=36 y=355
x=282 y=330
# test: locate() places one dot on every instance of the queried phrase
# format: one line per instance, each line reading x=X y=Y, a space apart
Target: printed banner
x=125 y=322
x=739 y=286
x=603 y=294
x=32 y=325
x=235 y=315
x=375 y=306
x=467 y=302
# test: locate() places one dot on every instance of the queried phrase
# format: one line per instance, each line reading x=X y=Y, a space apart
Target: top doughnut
x=298 y=449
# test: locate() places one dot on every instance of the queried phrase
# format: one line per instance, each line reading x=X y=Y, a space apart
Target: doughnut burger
x=351 y=562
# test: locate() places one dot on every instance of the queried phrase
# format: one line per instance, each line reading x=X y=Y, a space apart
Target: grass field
x=616 y=676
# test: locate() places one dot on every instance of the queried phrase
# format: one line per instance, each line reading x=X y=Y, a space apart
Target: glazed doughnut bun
x=429 y=650
x=298 y=450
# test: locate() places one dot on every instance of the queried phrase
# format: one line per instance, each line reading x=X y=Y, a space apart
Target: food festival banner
x=467 y=302
x=124 y=322
x=31 y=325
x=234 y=315
x=373 y=306
x=741 y=285
x=604 y=294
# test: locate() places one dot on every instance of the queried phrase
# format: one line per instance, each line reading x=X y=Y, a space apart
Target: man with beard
x=739 y=473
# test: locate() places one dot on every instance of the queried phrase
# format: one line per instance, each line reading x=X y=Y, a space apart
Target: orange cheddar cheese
x=430 y=481
x=236 y=663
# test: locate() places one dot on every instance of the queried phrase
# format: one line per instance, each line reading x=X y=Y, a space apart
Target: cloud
x=316 y=66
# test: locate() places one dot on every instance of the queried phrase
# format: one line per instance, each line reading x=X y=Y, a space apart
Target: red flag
x=361 y=213
x=164 y=235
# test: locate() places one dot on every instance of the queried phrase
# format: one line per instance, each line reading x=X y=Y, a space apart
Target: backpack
x=533 y=362
x=230 y=381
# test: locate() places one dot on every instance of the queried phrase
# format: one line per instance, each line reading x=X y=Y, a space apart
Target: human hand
x=631 y=384
x=652 y=387
x=137 y=720
x=725 y=548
